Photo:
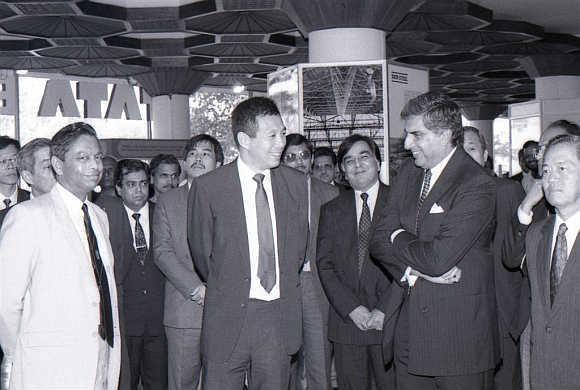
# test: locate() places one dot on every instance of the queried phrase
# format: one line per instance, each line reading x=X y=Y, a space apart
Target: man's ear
x=56 y=165
x=243 y=139
x=485 y=156
x=27 y=176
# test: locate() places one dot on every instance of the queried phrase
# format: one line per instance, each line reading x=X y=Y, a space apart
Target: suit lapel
x=544 y=256
x=349 y=228
x=281 y=195
x=235 y=199
x=409 y=204
x=568 y=276
x=382 y=197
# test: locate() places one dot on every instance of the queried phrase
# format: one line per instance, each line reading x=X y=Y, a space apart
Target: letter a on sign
x=58 y=93
x=123 y=99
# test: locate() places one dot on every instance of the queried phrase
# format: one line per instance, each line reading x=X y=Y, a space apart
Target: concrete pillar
x=170 y=117
x=346 y=44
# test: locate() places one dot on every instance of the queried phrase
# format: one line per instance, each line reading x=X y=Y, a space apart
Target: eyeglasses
x=351 y=162
x=291 y=157
x=8 y=163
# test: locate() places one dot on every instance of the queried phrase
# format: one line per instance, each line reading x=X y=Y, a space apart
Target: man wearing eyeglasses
x=315 y=353
x=10 y=194
x=140 y=283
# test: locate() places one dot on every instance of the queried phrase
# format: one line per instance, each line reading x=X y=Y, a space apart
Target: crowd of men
x=291 y=262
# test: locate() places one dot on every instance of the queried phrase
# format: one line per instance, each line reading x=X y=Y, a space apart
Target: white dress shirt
x=373 y=193
x=249 y=186
x=143 y=219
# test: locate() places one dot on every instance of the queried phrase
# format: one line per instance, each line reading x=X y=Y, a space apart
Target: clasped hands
x=365 y=319
x=449 y=277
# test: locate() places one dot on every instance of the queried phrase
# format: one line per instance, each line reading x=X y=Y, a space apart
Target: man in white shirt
x=140 y=283
x=247 y=230
x=59 y=324
x=440 y=218
x=553 y=255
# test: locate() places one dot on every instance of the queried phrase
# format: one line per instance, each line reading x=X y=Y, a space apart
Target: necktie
x=7 y=202
x=106 y=312
x=559 y=258
x=140 y=242
x=424 y=192
x=266 y=257
x=364 y=227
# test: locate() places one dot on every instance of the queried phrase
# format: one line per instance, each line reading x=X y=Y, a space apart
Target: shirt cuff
x=523 y=217
x=395 y=234
x=407 y=277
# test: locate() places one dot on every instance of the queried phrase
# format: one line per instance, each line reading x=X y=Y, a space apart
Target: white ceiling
x=556 y=16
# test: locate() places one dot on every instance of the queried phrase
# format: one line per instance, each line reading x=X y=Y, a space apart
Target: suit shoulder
x=326 y=189
x=172 y=196
x=221 y=175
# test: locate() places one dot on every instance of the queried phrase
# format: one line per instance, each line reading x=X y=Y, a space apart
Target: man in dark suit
x=324 y=166
x=508 y=281
x=441 y=216
x=10 y=193
x=140 y=282
x=248 y=228
x=315 y=354
x=358 y=290
x=184 y=290
x=553 y=256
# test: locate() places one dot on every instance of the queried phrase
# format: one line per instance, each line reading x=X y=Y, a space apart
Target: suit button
x=548 y=330
x=144 y=292
x=424 y=309
x=243 y=305
x=247 y=279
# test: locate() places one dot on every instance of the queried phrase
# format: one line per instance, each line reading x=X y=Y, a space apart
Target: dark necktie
x=266 y=256
x=424 y=192
x=364 y=227
x=140 y=242
x=7 y=202
x=106 y=312
x=559 y=258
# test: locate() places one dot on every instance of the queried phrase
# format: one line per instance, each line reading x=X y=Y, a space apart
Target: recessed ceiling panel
x=242 y=22
x=240 y=50
x=237 y=68
x=62 y=26
x=88 y=52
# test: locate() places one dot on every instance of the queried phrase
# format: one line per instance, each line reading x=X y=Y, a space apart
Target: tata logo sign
x=59 y=94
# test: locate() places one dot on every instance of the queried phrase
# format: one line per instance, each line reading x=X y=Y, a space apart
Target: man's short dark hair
x=245 y=114
x=325 y=151
x=439 y=113
x=565 y=139
x=196 y=139
x=348 y=143
x=474 y=130
x=570 y=128
x=62 y=140
x=25 y=157
x=127 y=166
x=6 y=141
x=296 y=139
x=168 y=159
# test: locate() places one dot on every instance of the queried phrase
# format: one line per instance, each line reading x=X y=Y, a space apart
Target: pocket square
x=436 y=209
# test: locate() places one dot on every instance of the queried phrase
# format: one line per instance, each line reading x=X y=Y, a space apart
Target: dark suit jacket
x=172 y=256
x=218 y=241
x=320 y=193
x=21 y=196
x=452 y=328
x=140 y=288
x=338 y=268
x=508 y=281
x=555 y=343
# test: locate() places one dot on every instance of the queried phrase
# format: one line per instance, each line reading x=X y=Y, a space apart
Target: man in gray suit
x=184 y=291
x=553 y=256
x=247 y=229
x=315 y=353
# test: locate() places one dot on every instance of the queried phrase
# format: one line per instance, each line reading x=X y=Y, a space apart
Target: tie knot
x=562 y=229
x=136 y=216
x=364 y=196
x=259 y=178
x=85 y=208
x=7 y=202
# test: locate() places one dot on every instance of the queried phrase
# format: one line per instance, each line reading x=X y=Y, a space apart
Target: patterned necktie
x=106 y=312
x=7 y=202
x=424 y=192
x=364 y=227
x=559 y=258
x=266 y=256
x=140 y=242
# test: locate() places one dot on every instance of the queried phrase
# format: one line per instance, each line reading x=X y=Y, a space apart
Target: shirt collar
x=73 y=204
x=438 y=169
x=572 y=223
x=372 y=192
x=143 y=211
x=247 y=173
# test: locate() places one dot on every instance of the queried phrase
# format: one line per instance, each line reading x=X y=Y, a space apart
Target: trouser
x=183 y=357
x=148 y=361
x=360 y=367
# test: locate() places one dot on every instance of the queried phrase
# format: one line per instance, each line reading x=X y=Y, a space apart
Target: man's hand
x=198 y=295
x=360 y=316
x=376 y=320
x=449 y=277
x=534 y=195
